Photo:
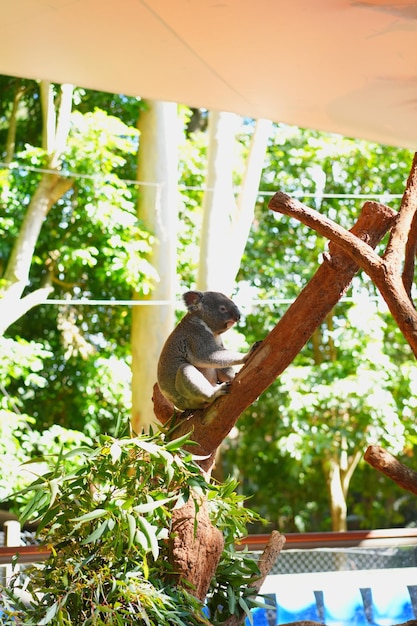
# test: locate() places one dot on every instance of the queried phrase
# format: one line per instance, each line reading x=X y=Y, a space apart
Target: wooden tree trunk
x=226 y=219
x=348 y=251
x=158 y=208
x=218 y=203
x=195 y=547
x=51 y=188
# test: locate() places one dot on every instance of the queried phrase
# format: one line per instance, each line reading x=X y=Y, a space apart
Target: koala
x=194 y=367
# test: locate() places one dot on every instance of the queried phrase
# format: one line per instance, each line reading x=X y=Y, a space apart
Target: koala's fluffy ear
x=193 y=299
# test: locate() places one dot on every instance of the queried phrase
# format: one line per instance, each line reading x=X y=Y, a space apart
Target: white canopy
x=347 y=66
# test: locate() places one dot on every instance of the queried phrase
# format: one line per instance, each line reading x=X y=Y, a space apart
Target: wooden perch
x=385 y=272
x=268 y=557
x=195 y=548
x=280 y=347
x=384 y=462
x=266 y=561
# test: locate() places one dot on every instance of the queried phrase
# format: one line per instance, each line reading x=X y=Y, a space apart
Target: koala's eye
x=223 y=309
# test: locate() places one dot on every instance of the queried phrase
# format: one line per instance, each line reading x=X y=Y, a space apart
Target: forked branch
x=385 y=272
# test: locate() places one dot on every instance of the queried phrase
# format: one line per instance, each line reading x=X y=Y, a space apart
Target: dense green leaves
x=91 y=246
x=107 y=522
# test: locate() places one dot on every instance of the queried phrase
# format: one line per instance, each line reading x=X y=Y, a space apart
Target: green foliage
x=192 y=172
x=282 y=254
x=107 y=522
x=23 y=362
x=21 y=372
x=14 y=428
x=92 y=246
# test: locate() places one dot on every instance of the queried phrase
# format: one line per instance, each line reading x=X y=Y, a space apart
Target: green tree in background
x=76 y=359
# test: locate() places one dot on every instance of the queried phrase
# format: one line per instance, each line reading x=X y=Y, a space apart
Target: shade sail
x=346 y=66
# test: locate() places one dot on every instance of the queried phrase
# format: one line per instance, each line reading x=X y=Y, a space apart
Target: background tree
x=91 y=245
x=52 y=186
x=157 y=174
x=226 y=219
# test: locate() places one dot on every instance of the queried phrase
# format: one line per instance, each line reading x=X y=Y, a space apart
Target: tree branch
x=268 y=557
x=13 y=309
x=352 y=243
x=384 y=462
x=410 y=256
x=396 y=247
x=384 y=272
x=266 y=561
x=283 y=343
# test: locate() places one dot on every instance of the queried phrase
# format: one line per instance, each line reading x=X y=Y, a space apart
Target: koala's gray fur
x=194 y=367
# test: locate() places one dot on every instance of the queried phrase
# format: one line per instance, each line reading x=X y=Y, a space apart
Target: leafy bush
x=108 y=525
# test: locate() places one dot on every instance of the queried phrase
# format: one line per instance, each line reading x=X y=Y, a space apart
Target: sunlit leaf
x=96 y=534
x=90 y=516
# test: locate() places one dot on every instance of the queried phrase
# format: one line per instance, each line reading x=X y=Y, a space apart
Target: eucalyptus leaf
x=96 y=534
x=86 y=517
x=151 y=505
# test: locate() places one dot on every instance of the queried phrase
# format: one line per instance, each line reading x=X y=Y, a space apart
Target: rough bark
x=348 y=251
x=196 y=547
x=384 y=462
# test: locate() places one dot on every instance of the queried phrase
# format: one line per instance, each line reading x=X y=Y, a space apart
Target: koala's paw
x=253 y=348
x=224 y=388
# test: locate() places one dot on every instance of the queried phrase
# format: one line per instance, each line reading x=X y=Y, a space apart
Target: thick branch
x=13 y=309
x=384 y=462
x=352 y=243
x=195 y=548
x=395 y=251
x=51 y=187
x=410 y=256
x=280 y=347
x=11 y=131
x=268 y=557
